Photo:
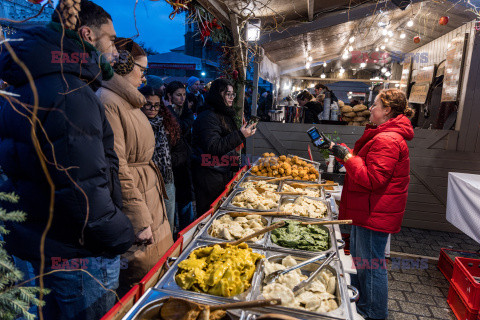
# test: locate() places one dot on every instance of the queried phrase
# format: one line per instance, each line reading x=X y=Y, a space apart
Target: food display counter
x=209 y=272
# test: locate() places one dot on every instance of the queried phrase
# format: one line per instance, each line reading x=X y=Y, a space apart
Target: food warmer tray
x=287 y=198
x=226 y=205
x=322 y=190
x=167 y=282
x=205 y=234
x=154 y=298
x=335 y=244
x=342 y=292
x=250 y=177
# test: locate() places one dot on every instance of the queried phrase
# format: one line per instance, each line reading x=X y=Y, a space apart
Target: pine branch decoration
x=15 y=300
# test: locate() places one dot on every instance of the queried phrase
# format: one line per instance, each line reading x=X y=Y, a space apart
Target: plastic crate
x=458 y=306
x=464 y=273
x=447 y=259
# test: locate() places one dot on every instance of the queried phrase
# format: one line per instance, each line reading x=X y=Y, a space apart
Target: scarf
x=161 y=155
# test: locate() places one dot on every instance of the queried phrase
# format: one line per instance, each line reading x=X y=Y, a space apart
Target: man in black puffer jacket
x=88 y=230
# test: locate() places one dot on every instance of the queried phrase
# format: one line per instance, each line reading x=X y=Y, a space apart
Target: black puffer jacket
x=82 y=140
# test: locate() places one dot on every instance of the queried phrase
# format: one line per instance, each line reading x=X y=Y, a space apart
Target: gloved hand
x=341 y=152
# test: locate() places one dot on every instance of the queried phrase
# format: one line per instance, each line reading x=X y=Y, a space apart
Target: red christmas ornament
x=35 y=1
x=235 y=74
x=443 y=21
x=416 y=39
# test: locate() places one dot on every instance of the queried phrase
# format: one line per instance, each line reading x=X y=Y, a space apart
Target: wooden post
x=242 y=54
x=256 y=74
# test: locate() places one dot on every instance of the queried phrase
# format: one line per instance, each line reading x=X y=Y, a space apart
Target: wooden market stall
x=323 y=30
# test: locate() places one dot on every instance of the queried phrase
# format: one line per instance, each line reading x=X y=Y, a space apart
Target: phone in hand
x=317 y=139
x=253 y=120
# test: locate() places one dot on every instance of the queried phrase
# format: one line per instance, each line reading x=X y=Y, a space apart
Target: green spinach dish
x=307 y=237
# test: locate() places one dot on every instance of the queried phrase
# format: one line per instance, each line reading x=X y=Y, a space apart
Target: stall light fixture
x=402 y=35
x=383 y=70
x=307 y=65
x=386 y=40
x=363 y=65
x=203 y=73
x=388 y=73
x=312 y=85
x=342 y=70
x=410 y=23
x=310 y=58
x=323 y=76
x=324 y=64
x=382 y=47
x=253 y=30
x=351 y=40
x=345 y=56
x=390 y=33
x=350 y=48
x=384 y=32
x=376 y=49
x=350 y=92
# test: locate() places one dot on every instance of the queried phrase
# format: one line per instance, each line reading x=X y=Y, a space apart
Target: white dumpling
x=331 y=285
x=272 y=267
x=316 y=286
x=279 y=291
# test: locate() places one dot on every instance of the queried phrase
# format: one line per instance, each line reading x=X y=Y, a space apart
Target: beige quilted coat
x=142 y=184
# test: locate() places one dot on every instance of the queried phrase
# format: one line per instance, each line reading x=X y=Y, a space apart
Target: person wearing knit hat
x=157 y=84
x=193 y=86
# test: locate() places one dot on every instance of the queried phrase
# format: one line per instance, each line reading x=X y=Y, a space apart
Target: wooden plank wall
x=468 y=116
x=431 y=160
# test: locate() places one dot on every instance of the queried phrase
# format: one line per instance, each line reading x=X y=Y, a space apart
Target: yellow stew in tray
x=221 y=271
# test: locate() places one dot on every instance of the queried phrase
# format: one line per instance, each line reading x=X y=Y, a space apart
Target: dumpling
x=279 y=291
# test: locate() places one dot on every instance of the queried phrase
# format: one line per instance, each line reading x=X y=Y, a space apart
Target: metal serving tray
x=321 y=189
x=205 y=232
x=226 y=205
x=168 y=280
x=344 y=310
x=286 y=199
x=271 y=246
x=250 y=177
x=151 y=302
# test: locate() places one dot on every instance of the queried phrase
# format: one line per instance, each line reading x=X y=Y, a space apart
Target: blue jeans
x=75 y=295
x=367 y=248
x=185 y=215
x=170 y=204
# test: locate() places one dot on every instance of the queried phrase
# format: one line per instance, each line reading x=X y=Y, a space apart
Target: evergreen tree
x=15 y=300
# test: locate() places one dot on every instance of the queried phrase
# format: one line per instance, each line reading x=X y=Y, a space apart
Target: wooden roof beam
x=328 y=20
x=218 y=9
x=310 y=9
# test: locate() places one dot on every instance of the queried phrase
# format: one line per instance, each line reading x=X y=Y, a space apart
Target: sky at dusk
x=155 y=28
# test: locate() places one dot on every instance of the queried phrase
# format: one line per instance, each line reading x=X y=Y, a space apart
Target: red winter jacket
x=375 y=189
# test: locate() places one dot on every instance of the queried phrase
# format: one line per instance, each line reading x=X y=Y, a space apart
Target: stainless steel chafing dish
x=290 y=199
x=343 y=299
x=332 y=240
x=168 y=280
x=206 y=231
x=227 y=204
x=248 y=178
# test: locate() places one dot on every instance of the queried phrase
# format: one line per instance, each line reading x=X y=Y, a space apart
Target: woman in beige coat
x=142 y=184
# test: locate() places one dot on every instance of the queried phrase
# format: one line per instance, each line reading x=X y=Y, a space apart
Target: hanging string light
x=351 y=40
x=323 y=76
x=402 y=35
x=410 y=23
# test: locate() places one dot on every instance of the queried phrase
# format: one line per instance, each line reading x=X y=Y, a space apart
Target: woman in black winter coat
x=215 y=140
x=312 y=108
x=181 y=151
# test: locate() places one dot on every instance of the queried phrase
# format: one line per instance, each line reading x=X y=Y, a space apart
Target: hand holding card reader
x=318 y=139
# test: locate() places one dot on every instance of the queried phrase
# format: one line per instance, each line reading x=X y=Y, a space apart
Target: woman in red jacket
x=375 y=194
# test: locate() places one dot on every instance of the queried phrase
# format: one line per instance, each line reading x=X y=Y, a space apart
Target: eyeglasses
x=231 y=95
x=150 y=106
x=142 y=68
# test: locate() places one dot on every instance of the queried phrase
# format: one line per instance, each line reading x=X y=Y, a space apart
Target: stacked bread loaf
x=355 y=116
